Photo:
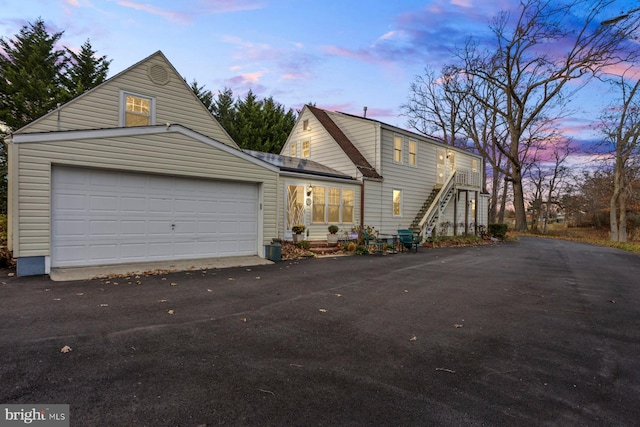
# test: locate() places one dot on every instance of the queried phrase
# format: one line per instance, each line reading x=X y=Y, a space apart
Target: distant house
x=135 y=170
x=407 y=180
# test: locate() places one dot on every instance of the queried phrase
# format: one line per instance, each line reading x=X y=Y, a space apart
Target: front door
x=445 y=166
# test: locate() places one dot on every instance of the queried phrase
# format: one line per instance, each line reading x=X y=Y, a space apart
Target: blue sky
x=341 y=55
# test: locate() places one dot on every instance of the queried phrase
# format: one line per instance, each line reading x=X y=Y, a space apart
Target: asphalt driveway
x=534 y=332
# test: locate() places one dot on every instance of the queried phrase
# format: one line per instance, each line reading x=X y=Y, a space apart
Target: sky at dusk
x=340 y=55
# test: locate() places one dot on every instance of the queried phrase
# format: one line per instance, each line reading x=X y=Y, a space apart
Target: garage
x=102 y=217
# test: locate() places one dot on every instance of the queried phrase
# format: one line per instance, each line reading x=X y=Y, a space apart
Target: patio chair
x=408 y=240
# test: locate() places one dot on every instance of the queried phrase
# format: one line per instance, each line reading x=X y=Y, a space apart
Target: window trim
x=308 y=141
x=123 y=107
x=393 y=202
x=396 y=150
x=413 y=155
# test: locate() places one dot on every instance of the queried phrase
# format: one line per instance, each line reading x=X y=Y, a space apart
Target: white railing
x=431 y=212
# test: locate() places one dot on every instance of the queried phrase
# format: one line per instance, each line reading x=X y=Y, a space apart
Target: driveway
x=534 y=332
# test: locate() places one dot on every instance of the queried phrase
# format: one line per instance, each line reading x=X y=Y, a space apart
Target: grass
x=591 y=235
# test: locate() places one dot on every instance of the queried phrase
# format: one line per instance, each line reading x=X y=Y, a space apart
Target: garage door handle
x=173 y=226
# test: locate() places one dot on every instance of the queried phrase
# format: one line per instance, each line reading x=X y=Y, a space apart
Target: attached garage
x=134 y=170
x=109 y=217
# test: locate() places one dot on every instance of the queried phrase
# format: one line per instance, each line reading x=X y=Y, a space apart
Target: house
x=135 y=170
x=407 y=180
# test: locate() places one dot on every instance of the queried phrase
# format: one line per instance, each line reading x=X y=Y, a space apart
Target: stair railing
x=436 y=206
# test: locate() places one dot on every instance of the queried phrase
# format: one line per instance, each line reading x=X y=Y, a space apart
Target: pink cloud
x=226 y=6
x=172 y=16
x=361 y=54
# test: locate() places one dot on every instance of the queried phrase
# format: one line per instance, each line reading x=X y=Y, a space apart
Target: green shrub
x=498 y=230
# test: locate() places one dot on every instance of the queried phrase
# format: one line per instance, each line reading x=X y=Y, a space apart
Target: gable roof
x=343 y=141
x=294 y=164
x=154 y=76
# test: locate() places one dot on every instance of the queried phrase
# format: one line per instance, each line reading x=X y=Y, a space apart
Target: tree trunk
x=518 y=201
x=495 y=189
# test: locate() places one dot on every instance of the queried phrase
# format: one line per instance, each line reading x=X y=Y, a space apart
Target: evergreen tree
x=35 y=77
x=223 y=109
x=261 y=125
x=205 y=96
x=31 y=72
x=85 y=70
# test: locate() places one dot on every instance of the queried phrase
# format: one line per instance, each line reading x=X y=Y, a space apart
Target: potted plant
x=332 y=237
x=297 y=231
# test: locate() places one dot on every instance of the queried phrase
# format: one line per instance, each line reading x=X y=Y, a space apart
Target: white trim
x=123 y=107
x=72 y=135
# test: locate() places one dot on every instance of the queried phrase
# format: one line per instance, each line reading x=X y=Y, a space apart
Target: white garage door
x=106 y=217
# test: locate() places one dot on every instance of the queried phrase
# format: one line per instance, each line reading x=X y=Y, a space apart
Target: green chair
x=408 y=240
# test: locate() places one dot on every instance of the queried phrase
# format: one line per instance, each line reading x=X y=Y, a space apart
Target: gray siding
x=100 y=108
x=163 y=153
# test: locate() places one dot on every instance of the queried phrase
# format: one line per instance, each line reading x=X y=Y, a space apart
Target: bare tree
x=549 y=178
x=621 y=128
x=531 y=74
x=435 y=108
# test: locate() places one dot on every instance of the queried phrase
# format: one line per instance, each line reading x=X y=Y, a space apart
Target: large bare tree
x=535 y=54
x=621 y=128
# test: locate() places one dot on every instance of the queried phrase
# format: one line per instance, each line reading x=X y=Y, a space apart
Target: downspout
x=362 y=202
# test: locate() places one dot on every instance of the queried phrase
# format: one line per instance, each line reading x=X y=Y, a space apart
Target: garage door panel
x=70 y=227
x=105 y=217
x=133 y=204
x=104 y=227
x=133 y=228
x=104 y=253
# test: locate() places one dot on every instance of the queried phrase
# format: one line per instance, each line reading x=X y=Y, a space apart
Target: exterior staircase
x=425 y=207
x=433 y=206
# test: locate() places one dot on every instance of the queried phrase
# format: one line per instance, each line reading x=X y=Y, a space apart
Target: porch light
x=309 y=190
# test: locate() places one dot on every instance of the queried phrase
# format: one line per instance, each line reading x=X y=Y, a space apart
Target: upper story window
x=306 y=148
x=305 y=125
x=292 y=150
x=474 y=165
x=413 y=153
x=137 y=110
x=397 y=149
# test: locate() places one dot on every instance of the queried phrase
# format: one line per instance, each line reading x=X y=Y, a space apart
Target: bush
x=498 y=230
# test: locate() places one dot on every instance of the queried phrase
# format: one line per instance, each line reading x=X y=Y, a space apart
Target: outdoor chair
x=408 y=240
x=373 y=241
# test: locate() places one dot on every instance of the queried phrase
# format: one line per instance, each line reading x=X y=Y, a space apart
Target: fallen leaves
x=322 y=310
x=457 y=325
x=170 y=311
x=413 y=338
x=65 y=349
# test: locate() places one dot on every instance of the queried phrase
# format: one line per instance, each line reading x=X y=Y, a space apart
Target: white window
x=397 y=149
x=397 y=202
x=347 y=206
x=332 y=205
x=306 y=148
x=319 y=205
x=136 y=110
x=305 y=125
x=293 y=150
x=413 y=153
x=474 y=165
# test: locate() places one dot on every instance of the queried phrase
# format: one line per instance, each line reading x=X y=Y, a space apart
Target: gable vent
x=159 y=74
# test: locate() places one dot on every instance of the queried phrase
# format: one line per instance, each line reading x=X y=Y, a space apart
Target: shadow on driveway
x=526 y=333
